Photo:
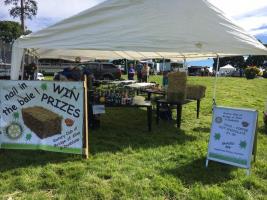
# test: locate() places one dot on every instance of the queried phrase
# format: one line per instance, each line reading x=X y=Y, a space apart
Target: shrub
x=251 y=72
x=264 y=75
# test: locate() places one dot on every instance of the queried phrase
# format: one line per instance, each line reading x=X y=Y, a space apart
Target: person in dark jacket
x=69 y=74
x=131 y=72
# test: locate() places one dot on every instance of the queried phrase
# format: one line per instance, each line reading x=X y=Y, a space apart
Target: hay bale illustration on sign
x=43 y=122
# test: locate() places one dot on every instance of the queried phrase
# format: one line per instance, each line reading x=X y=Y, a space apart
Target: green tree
x=9 y=31
x=235 y=61
x=256 y=61
x=22 y=9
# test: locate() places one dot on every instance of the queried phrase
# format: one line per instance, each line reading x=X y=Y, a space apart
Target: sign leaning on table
x=232 y=136
x=42 y=115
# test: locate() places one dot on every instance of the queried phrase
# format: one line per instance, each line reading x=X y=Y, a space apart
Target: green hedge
x=251 y=72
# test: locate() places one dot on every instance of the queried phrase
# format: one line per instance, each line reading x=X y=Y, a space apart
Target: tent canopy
x=138 y=29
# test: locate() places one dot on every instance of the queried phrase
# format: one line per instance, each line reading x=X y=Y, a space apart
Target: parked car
x=236 y=73
x=106 y=71
x=40 y=76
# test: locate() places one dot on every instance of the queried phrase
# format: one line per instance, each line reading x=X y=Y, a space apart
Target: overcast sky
x=250 y=14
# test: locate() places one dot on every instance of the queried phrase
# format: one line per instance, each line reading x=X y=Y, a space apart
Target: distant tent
x=141 y=29
x=226 y=69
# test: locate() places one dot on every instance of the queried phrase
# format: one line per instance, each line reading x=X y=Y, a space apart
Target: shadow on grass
x=121 y=128
x=12 y=159
x=124 y=128
x=202 y=129
x=196 y=171
x=263 y=129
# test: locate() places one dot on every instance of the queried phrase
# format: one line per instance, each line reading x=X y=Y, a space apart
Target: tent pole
x=126 y=64
x=215 y=83
x=163 y=63
x=184 y=64
x=22 y=65
x=37 y=67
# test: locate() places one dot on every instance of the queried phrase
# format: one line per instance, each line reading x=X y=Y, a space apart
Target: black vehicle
x=106 y=71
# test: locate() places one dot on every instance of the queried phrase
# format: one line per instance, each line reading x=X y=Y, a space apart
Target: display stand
x=233 y=138
x=226 y=158
x=44 y=115
x=254 y=151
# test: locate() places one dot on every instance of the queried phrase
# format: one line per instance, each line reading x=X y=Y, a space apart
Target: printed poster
x=41 y=115
x=232 y=136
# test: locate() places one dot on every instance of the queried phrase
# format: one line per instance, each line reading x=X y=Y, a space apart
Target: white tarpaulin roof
x=142 y=29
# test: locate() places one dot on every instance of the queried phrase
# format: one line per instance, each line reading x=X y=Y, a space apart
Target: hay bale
x=195 y=91
x=44 y=123
x=176 y=91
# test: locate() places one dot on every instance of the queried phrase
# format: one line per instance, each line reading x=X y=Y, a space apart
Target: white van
x=40 y=76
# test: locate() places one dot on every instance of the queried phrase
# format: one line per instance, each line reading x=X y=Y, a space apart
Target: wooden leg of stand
x=178 y=115
x=85 y=125
x=157 y=117
x=149 y=118
x=198 y=107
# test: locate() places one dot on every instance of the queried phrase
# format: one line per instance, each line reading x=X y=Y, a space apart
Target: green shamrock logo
x=243 y=144
x=217 y=136
x=16 y=115
x=28 y=137
x=44 y=86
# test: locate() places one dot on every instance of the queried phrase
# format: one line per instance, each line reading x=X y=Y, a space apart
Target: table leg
x=198 y=107
x=178 y=115
x=148 y=96
x=149 y=118
x=157 y=114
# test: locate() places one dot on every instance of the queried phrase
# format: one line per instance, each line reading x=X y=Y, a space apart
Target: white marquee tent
x=138 y=29
x=226 y=69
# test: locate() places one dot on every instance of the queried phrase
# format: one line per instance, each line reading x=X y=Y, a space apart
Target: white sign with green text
x=43 y=115
x=232 y=136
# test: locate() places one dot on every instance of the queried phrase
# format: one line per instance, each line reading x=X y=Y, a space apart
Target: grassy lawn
x=127 y=162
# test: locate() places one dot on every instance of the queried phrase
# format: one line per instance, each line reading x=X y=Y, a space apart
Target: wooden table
x=178 y=109
x=145 y=104
x=163 y=93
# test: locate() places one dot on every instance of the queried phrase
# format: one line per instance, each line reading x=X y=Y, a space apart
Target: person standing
x=139 y=68
x=131 y=72
x=165 y=80
x=145 y=73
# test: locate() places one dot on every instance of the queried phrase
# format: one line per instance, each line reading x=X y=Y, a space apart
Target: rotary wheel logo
x=14 y=130
x=245 y=124
x=218 y=120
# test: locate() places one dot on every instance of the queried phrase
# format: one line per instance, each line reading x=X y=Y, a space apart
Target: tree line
x=241 y=62
x=22 y=9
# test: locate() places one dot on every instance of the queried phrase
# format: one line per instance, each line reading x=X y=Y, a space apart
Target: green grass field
x=127 y=162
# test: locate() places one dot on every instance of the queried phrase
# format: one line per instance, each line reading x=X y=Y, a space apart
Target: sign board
x=98 y=109
x=232 y=136
x=41 y=115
